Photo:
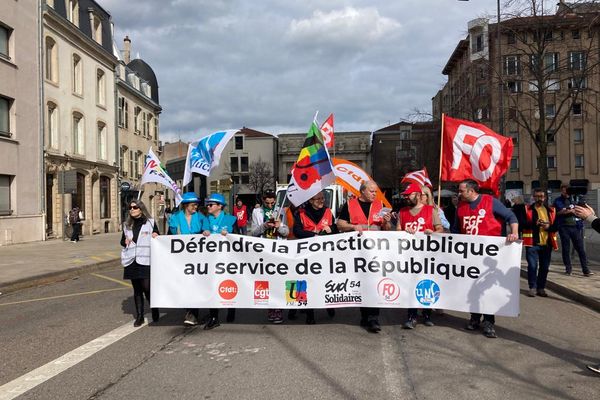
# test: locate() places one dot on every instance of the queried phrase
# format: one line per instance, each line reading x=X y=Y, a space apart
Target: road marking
x=112 y=279
x=40 y=375
x=396 y=381
x=61 y=296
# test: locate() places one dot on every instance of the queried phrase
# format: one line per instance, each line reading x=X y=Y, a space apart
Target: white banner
x=378 y=269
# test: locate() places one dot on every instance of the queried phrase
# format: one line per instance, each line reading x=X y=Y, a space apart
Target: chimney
x=127 y=50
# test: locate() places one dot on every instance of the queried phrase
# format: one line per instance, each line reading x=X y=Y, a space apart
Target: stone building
x=80 y=141
x=138 y=111
x=21 y=171
x=555 y=56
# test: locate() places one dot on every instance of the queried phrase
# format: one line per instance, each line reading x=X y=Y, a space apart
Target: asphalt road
x=540 y=355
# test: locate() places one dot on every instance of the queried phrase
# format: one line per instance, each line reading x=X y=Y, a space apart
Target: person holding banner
x=222 y=223
x=188 y=221
x=482 y=214
x=138 y=230
x=418 y=216
x=266 y=223
x=311 y=220
x=365 y=213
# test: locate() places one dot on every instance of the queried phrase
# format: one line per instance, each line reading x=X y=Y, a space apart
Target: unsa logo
x=228 y=289
x=427 y=292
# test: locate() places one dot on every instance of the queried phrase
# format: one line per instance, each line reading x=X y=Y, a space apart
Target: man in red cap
x=418 y=217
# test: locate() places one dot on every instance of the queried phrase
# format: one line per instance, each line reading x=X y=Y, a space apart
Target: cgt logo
x=228 y=289
x=261 y=291
x=388 y=290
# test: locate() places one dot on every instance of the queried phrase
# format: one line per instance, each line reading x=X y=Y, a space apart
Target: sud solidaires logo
x=296 y=293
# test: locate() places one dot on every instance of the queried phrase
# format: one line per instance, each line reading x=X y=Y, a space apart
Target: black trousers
x=76 y=232
x=486 y=317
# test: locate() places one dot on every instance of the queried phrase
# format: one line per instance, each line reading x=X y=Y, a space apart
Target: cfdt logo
x=427 y=292
x=228 y=289
x=296 y=293
x=388 y=290
x=261 y=292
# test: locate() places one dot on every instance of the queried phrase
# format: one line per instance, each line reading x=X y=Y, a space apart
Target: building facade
x=21 y=176
x=537 y=83
x=138 y=111
x=80 y=141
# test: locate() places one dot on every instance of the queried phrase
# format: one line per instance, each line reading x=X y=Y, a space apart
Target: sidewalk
x=32 y=264
x=37 y=263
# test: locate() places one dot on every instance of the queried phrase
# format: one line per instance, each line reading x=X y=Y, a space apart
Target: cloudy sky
x=270 y=64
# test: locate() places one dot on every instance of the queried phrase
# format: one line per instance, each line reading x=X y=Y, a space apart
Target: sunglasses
x=211 y=204
x=134 y=208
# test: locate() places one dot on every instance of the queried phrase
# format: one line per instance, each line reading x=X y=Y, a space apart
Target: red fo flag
x=474 y=151
x=327 y=131
x=419 y=177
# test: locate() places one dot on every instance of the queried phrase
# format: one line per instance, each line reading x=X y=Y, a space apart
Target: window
x=239 y=143
x=245 y=179
x=51 y=60
x=135 y=171
x=79 y=198
x=104 y=197
x=123 y=161
x=514 y=164
x=141 y=160
x=576 y=107
x=550 y=110
x=578 y=160
x=514 y=86
x=551 y=161
x=52 y=117
x=482 y=90
x=405 y=134
x=78 y=134
x=77 y=75
x=512 y=113
x=145 y=125
x=97 y=29
x=515 y=137
x=4 y=41
x=477 y=43
x=578 y=135
x=100 y=88
x=155 y=128
x=578 y=83
x=575 y=34
x=121 y=112
x=132 y=166
x=5 y=106
x=102 y=141
x=548 y=35
x=482 y=113
x=550 y=135
x=73 y=11
x=150 y=125
x=233 y=161
x=5 y=181
x=137 y=119
x=512 y=65
x=550 y=62
x=577 y=60
x=125 y=114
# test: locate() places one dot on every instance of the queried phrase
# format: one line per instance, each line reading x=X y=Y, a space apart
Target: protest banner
x=376 y=269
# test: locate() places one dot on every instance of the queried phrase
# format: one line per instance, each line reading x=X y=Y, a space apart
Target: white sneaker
x=595 y=368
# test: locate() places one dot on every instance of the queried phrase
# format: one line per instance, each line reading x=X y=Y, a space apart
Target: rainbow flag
x=313 y=171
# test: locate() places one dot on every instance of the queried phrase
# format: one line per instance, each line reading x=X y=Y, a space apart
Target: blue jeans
x=533 y=254
x=568 y=234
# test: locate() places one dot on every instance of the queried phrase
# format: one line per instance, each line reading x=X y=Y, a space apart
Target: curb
x=569 y=293
x=56 y=276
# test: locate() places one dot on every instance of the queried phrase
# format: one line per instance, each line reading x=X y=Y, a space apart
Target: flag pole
x=439 y=201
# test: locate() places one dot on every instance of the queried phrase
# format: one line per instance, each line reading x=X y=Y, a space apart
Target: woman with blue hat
x=188 y=221
x=218 y=222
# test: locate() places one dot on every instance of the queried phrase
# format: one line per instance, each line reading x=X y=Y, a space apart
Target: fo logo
x=427 y=292
x=261 y=291
x=388 y=290
x=228 y=289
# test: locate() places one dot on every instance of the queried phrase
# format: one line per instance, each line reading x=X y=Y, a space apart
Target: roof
x=461 y=47
x=247 y=132
x=146 y=73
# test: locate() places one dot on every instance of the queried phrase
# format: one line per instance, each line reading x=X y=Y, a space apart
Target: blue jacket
x=223 y=221
x=178 y=224
x=561 y=203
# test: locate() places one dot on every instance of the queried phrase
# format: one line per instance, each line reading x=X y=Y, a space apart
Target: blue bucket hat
x=189 y=197
x=216 y=198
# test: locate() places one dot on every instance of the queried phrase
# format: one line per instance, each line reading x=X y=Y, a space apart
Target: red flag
x=327 y=131
x=474 y=151
x=419 y=177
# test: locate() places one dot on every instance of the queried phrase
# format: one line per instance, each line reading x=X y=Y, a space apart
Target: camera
x=576 y=195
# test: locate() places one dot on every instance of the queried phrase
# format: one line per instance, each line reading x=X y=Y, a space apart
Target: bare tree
x=261 y=176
